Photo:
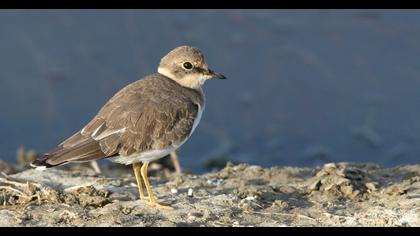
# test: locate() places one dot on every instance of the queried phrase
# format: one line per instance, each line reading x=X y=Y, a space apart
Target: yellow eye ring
x=187 y=65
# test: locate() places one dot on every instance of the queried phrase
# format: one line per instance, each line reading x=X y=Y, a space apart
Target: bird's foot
x=163 y=206
x=154 y=203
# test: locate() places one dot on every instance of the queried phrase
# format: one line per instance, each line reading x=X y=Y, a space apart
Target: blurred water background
x=304 y=87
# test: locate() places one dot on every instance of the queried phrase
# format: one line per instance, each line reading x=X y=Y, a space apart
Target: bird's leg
x=137 y=173
x=95 y=167
x=143 y=172
x=152 y=198
x=174 y=158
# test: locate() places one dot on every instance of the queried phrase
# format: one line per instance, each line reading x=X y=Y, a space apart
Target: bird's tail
x=88 y=150
x=42 y=164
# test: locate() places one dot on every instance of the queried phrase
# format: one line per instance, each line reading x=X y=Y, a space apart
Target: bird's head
x=186 y=65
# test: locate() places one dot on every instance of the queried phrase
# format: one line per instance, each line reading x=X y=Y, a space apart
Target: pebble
x=330 y=165
x=190 y=192
x=191 y=218
x=174 y=190
x=371 y=186
x=216 y=182
x=251 y=198
x=255 y=168
x=194 y=214
x=280 y=204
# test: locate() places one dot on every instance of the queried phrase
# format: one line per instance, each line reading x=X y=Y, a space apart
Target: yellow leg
x=143 y=172
x=137 y=173
x=174 y=158
x=152 y=198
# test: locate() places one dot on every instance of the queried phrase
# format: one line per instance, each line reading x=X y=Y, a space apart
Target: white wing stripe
x=96 y=130
x=107 y=133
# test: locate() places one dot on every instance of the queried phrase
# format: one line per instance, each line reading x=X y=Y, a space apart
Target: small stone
x=190 y=192
x=219 y=182
x=216 y=182
x=155 y=166
x=371 y=186
x=196 y=214
x=126 y=210
x=174 y=190
x=330 y=165
x=239 y=167
x=251 y=198
x=281 y=204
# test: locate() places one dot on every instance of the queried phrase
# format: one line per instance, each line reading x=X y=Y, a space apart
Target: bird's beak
x=215 y=75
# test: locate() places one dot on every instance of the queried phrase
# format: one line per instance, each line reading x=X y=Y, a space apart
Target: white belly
x=144 y=156
x=156 y=154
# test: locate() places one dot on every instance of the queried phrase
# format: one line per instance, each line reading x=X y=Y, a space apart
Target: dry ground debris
x=337 y=194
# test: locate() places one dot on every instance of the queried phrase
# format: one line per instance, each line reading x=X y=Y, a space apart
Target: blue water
x=304 y=87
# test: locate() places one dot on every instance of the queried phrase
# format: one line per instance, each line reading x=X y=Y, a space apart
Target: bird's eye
x=187 y=65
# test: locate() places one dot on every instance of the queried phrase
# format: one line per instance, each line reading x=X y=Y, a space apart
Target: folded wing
x=132 y=121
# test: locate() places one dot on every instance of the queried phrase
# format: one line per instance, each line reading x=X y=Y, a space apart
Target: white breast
x=197 y=120
x=200 y=112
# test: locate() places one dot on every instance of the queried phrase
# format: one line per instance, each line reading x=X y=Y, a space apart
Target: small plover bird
x=144 y=121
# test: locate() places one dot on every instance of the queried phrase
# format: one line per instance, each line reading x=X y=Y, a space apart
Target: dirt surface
x=338 y=194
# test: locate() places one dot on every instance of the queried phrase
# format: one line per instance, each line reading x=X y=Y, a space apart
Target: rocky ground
x=337 y=194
